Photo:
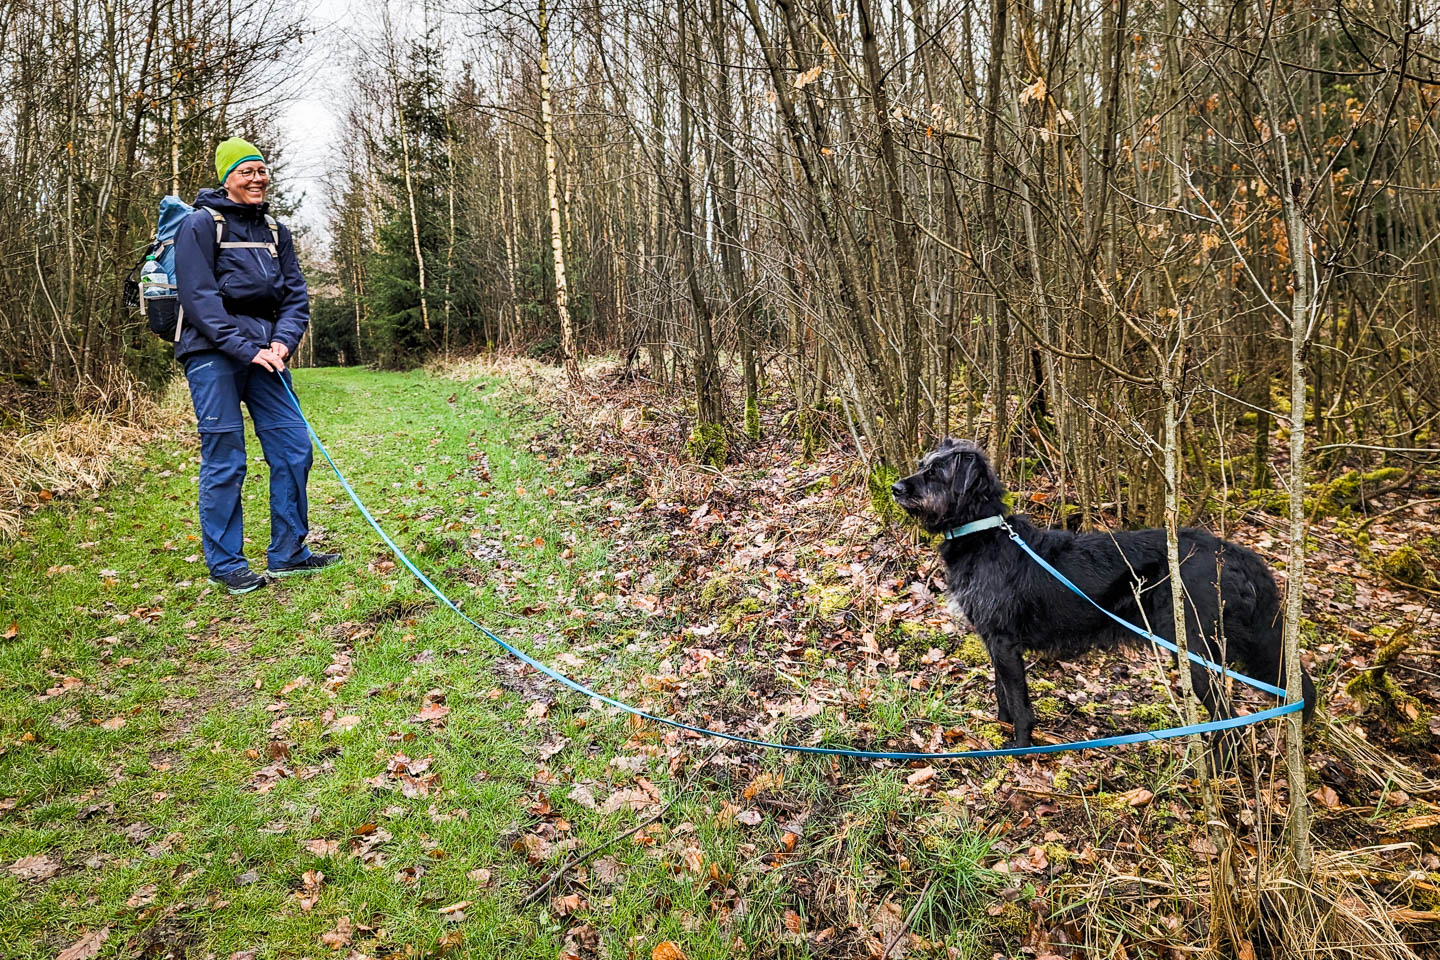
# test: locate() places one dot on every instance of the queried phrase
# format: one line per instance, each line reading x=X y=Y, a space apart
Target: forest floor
x=341 y=767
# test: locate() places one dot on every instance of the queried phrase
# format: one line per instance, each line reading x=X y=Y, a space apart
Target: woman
x=245 y=309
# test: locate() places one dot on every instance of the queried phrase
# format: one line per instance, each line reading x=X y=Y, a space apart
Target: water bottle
x=153 y=281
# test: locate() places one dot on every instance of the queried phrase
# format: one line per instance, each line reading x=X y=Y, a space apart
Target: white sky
x=310 y=122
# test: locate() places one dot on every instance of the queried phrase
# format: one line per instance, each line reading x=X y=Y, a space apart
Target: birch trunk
x=552 y=186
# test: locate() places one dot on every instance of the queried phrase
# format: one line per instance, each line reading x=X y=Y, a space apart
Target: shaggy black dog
x=1015 y=605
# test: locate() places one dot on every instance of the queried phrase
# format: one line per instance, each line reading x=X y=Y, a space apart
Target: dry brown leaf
x=432 y=713
x=296 y=684
x=480 y=877
x=340 y=936
x=1326 y=797
x=343 y=724
x=142 y=897
x=85 y=947
x=114 y=723
x=564 y=906
x=37 y=867
x=920 y=776
x=1138 y=797
x=667 y=950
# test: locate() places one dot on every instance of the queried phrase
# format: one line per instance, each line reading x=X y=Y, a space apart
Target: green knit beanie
x=231 y=154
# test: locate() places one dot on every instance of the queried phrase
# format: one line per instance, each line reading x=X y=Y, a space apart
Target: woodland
x=1169 y=263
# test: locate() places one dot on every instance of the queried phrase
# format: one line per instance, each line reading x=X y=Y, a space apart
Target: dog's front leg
x=1011 y=690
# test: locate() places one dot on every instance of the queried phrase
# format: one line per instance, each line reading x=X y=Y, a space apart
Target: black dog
x=1016 y=606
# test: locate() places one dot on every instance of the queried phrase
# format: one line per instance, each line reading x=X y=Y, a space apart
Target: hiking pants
x=218 y=384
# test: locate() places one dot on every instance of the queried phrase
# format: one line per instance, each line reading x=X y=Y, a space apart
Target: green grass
x=168 y=831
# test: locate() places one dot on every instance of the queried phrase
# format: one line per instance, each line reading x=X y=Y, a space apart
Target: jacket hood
x=217 y=199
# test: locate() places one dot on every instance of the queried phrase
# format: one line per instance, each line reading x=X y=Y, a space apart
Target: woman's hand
x=279 y=349
x=270 y=360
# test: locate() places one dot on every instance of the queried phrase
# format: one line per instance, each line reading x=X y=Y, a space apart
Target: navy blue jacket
x=240 y=300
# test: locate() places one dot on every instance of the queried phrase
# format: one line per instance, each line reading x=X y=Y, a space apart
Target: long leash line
x=1143 y=737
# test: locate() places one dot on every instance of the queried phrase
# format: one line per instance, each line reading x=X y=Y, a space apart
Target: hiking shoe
x=311 y=564
x=240 y=581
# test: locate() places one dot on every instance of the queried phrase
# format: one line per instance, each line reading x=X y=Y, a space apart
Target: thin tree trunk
x=552 y=186
x=414 y=219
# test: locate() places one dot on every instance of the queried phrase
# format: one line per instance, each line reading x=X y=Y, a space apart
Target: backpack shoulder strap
x=273 y=246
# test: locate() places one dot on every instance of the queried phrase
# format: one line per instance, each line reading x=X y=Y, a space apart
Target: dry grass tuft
x=81 y=453
x=1384 y=769
x=1336 y=913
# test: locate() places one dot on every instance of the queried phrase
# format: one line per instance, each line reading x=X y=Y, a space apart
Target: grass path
x=336 y=764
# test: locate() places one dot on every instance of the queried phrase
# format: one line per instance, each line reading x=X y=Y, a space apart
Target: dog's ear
x=966 y=466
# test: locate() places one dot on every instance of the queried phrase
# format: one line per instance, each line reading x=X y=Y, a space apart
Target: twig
x=575 y=861
x=1403 y=506
x=908 y=920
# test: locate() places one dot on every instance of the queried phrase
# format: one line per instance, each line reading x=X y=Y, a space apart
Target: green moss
x=832 y=598
x=972 y=651
x=1406 y=565
x=707 y=444
x=1049 y=708
x=878 y=483
x=752 y=418
x=1151 y=715
x=1064 y=779
x=1347 y=491
x=1378 y=693
x=993 y=734
x=1008 y=927
x=721 y=590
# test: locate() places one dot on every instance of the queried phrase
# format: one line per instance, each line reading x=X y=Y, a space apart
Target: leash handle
x=1145 y=736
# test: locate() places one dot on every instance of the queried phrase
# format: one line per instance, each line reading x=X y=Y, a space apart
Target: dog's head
x=952 y=485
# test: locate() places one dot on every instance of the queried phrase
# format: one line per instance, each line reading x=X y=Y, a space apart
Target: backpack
x=160 y=302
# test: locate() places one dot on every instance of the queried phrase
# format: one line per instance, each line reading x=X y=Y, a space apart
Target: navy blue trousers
x=218 y=385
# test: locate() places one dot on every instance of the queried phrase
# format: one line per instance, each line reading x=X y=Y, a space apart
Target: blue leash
x=1143 y=737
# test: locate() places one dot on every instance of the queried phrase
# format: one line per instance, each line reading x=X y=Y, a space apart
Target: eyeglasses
x=257 y=173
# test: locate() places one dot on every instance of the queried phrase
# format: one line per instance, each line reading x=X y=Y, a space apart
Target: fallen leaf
x=667 y=950
x=37 y=867
x=564 y=906
x=322 y=848
x=480 y=877
x=85 y=947
x=608 y=870
x=12 y=631
x=340 y=936
x=63 y=687
x=432 y=713
x=751 y=818
x=920 y=776
x=114 y=723
x=342 y=724
x=1326 y=797
x=1138 y=797
x=142 y=897
x=296 y=684
x=1203 y=846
